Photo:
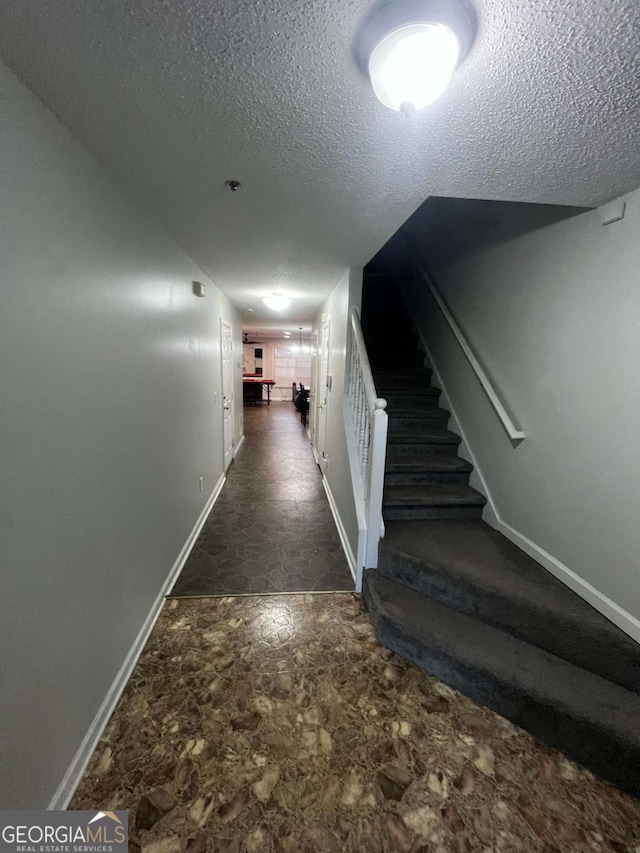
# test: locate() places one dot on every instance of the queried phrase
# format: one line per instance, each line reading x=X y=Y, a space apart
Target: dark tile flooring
x=271 y=529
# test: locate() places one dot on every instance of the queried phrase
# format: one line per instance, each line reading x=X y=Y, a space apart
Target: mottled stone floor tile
x=271 y=528
x=277 y=724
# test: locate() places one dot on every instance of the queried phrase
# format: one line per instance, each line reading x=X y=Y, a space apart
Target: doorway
x=321 y=395
x=226 y=346
x=313 y=382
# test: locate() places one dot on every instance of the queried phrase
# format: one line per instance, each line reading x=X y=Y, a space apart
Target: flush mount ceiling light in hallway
x=277 y=302
x=410 y=49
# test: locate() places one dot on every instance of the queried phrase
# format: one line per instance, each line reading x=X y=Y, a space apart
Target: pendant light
x=410 y=49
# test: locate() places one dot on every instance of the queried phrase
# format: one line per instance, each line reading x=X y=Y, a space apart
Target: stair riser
x=579 y=739
x=397 y=366
x=417 y=447
x=414 y=411
x=424 y=409
x=412 y=402
x=398 y=426
x=412 y=513
x=536 y=626
x=413 y=371
x=420 y=478
x=397 y=363
x=399 y=344
x=402 y=386
x=413 y=387
x=412 y=419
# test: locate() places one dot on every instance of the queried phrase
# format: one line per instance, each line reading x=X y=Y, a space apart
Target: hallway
x=271 y=529
x=277 y=724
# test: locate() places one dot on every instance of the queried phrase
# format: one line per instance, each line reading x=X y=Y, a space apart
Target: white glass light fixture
x=409 y=49
x=277 y=302
x=412 y=66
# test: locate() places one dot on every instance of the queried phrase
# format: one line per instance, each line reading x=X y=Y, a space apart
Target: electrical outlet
x=202 y=484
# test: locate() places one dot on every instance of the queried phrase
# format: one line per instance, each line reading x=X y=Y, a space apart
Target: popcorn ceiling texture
x=176 y=97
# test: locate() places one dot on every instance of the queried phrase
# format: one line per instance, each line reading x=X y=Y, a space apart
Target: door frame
x=231 y=407
x=313 y=416
x=322 y=394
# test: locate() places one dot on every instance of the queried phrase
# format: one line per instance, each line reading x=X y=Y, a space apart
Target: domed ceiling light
x=277 y=302
x=411 y=48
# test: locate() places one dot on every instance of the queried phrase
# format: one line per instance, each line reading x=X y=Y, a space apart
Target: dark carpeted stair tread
x=431 y=435
x=416 y=410
x=433 y=462
x=413 y=407
x=590 y=719
x=418 y=423
x=407 y=385
x=409 y=469
x=474 y=568
x=387 y=366
x=393 y=392
x=461 y=601
x=439 y=494
x=431 y=500
x=398 y=362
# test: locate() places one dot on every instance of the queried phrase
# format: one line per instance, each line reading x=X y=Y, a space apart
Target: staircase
x=459 y=600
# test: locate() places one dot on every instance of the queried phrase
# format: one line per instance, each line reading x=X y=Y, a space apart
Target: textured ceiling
x=176 y=96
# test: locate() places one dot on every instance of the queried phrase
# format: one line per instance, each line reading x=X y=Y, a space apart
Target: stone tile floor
x=277 y=724
x=271 y=529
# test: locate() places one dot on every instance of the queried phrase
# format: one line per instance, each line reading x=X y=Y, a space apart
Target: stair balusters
x=369 y=421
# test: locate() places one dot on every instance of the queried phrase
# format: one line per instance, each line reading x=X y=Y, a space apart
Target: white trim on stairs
x=598 y=600
x=614 y=613
x=76 y=769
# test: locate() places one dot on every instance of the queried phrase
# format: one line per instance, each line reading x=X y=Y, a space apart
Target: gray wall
x=347 y=293
x=108 y=371
x=553 y=316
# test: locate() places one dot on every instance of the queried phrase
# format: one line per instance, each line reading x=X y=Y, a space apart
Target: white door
x=312 y=388
x=322 y=396
x=226 y=344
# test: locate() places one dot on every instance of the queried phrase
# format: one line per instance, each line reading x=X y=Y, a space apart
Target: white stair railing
x=369 y=422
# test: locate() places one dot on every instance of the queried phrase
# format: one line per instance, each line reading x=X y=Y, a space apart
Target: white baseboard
x=236 y=449
x=76 y=769
x=490 y=512
x=616 y=614
x=491 y=515
x=342 y=533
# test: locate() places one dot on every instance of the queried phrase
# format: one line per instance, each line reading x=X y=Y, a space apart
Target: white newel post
x=378 y=452
x=368 y=432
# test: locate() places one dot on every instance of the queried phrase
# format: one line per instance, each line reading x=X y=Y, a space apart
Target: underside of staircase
x=458 y=599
